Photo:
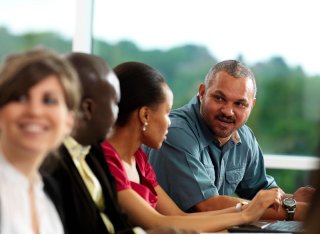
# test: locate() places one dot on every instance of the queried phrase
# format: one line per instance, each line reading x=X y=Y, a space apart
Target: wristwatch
x=289 y=204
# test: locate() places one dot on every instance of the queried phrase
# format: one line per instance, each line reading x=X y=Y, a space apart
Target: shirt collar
x=76 y=150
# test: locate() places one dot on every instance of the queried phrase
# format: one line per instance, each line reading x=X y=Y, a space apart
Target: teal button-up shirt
x=191 y=166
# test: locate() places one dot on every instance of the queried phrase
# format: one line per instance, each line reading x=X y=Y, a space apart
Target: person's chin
x=158 y=147
x=44 y=145
x=36 y=150
x=224 y=133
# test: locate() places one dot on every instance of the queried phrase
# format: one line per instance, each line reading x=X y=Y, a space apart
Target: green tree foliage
x=280 y=116
x=184 y=67
x=18 y=43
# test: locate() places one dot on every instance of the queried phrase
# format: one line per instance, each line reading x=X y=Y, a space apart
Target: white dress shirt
x=15 y=210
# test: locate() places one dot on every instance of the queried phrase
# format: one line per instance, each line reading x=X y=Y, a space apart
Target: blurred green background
x=285 y=119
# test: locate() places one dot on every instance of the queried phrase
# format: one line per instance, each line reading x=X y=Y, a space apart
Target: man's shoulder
x=97 y=161
x=247 y=136
x=58 y=164
x=186 y=111
x=246 y=132
x=187 y=127
x=96 y=153
x=182 y=130
x=183 y=118
x=52 y=162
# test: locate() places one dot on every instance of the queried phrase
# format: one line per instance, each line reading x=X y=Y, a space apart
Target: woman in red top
x=146 y=101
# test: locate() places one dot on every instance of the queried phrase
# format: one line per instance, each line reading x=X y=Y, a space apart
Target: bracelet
x=239 y=205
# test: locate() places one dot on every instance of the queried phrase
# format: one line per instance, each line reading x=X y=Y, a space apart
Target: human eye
x=241 y=104
x=218 y=98
x=20 y=98
x=50 y=100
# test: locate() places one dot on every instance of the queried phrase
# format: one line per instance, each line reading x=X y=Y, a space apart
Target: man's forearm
x=222 y=202
x=217 y=203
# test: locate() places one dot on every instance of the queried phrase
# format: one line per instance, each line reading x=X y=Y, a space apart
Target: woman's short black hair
x=140 y=85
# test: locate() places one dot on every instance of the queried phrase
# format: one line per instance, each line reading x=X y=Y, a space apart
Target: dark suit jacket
x=52 y=189
x=81 y=215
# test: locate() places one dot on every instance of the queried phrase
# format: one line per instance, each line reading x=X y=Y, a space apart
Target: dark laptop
x=270 y=227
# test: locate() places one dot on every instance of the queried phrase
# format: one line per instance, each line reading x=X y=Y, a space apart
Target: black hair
x=140 y=85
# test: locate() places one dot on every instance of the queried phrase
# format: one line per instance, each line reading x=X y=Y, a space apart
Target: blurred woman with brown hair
x=39 y=94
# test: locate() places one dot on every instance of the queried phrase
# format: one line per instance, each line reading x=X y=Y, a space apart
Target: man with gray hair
x=210 y=154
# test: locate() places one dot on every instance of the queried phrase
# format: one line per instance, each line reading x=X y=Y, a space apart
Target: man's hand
x=304 y=194
x=282 y=195
x=261 y=202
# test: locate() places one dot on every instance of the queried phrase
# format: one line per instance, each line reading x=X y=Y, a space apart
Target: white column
x=83 y=26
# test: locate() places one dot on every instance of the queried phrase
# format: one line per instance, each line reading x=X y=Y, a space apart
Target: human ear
x=143 y=114
x=88 y=107
x=201 y=91
x=254 y=102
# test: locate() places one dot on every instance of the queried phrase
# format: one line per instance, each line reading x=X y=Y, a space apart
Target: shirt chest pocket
x=209 y=171
x=233 y=177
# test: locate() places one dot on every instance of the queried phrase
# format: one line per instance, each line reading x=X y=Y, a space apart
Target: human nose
x=34 y=107
x=227 y=109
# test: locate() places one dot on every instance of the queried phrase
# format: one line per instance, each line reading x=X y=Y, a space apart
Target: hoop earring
x=144 y=128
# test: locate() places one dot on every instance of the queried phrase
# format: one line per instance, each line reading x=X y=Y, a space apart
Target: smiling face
x=35 y=123
x=226 y=104
x=158 y=121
